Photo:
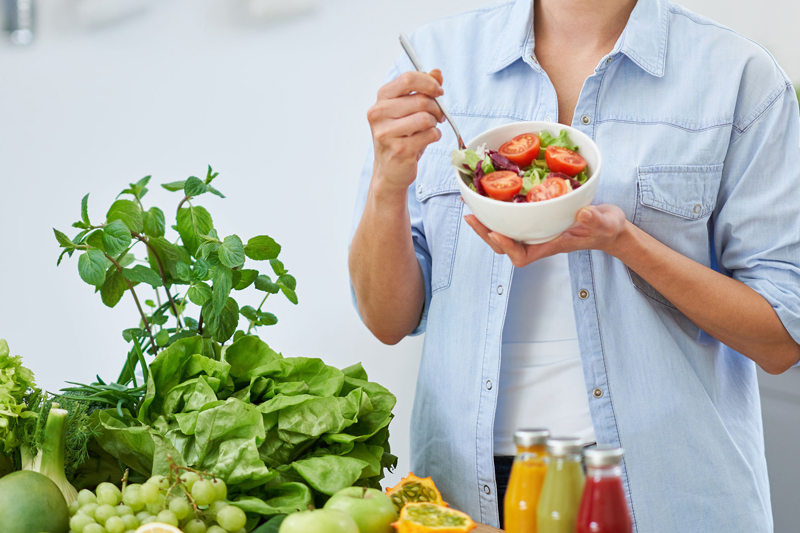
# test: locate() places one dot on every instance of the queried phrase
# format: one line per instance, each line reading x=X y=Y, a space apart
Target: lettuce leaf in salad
x=563 y=140
x=468 y=157
x=582 y=177
x=532 y=178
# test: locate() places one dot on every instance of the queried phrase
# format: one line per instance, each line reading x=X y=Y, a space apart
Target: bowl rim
x=541 y=125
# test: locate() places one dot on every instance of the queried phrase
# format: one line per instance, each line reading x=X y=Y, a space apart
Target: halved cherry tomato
x=564 y=160
x=502 y=184
x=549 y=188
x=522 y=149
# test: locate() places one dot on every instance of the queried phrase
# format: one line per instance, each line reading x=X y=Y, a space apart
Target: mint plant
x=195 y=266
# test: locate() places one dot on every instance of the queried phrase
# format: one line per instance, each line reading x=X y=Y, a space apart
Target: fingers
x=404 y=106
x=437 y=75
x=483 y=233
x=411 y=82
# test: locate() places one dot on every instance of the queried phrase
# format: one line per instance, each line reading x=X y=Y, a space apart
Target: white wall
x=278 y=109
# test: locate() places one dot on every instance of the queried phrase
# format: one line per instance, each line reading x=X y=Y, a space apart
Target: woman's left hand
x=597 y=227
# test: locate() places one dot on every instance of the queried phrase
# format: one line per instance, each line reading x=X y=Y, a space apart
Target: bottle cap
x=531 y=437
x=603 y=455
x=563 y=446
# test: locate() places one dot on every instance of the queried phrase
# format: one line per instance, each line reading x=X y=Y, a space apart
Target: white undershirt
x=541 y=378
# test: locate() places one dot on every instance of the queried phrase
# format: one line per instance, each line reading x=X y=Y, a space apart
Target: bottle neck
x=528 y=453
x=605 y=472
x=572 y=458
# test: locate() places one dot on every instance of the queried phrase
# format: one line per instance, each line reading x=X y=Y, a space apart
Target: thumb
x=588 y=217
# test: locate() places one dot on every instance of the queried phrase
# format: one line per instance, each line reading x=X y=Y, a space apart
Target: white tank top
x=541 y=377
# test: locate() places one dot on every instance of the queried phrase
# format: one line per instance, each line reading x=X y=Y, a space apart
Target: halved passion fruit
x=422 y=517
x=414 y=489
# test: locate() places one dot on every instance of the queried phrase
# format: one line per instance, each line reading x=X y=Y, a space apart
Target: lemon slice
x=158 y=527
x=423 y=517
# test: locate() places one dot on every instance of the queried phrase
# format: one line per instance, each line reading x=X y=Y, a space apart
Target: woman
x=642 y=325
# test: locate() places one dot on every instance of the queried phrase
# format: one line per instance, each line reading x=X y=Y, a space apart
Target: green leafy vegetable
x=16 y=383
x=563 y=140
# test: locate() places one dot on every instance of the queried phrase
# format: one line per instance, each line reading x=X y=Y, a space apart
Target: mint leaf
x=92 y=267
x=174 y=185
x=247 y=279
x=231 y=252
x=184 y=271
x=162 y=337
x=212 y=190
x=264 y=283
x=113 y=288
x=194 y=186
x=223 y=283
x=277 y=267
x=128 y=212
x=262 y=248
x=153 y=222
x=199 y=293
x=85 y=210
x=193 y=222
x=142 y=274
x=249 y=313
x=63 y=240
x=222 y=325
x=116 y=237
x=169 y=254
x=289 y=293
x=288 y=280
x=95 y=240
x=266 y=319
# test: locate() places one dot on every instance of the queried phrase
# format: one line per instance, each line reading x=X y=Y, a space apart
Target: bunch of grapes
x=191 y=500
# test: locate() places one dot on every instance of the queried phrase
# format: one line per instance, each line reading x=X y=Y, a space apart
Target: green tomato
x=204 y=492
x=103 y=513
x=88 y=509
x=180 y=507
x=221 y=488
x=194 y=526
x=86 y=496
x=231 y=518
x=168 y=517
x=108 y=494
x=79 y=522
x=130 y=521
x=189 y=479
x=115 y=525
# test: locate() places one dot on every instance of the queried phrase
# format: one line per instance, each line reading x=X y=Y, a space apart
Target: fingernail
x=441 y=91
x=493 y=236
x=441 y=120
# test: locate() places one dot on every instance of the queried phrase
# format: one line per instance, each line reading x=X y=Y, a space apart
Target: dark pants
x=502 y=471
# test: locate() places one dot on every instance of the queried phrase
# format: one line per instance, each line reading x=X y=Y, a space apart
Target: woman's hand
x=597 y=227
x=403 y=123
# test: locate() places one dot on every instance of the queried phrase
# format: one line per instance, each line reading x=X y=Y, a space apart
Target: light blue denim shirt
x=700 y=137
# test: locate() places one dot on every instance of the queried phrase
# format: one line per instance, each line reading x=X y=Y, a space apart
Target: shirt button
x=609 y=60
x=534 y=60
x=488 y=384
x=499 y=289
x=597 y=393
x=586 y=119
x=548 y=119
x=486 y=489
x=697 y=208
x=583 y=294
x=419 y=188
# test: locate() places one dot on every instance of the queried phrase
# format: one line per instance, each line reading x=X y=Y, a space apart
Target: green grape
x=194 y=526
x=103 y=513
x=215 y=508
x=130 y=521
x=168 y=517
x=243 y=530
x=78 y=522
x=221 y=489
x=142 y=515
x=115 y=525
x=215 y=529
x=94 y=528
x=180 y=507
x=73 y=507
x=204 y=492
x=108 y=494
x=189 y=479
x=131 y=531
x=231 y=518
x=155 y=508
x=149 y=493
x=86 y=496
x=122 y=510
x=88 y=509
x=160 y=481
x=133 y=497
x=149 y=519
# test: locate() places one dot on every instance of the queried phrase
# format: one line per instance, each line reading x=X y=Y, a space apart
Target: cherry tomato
x=564 y=160
x=549 y=188
x=522 y=149
x=502 y=184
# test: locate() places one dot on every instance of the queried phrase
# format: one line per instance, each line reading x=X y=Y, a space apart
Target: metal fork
x=412 y=55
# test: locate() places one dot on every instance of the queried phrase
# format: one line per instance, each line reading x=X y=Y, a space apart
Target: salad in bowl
x=528 y=180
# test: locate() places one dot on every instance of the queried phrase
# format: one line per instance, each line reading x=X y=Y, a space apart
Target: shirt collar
x=644 y=39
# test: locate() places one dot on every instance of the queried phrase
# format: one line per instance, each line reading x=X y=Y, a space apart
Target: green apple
x=319 y=521
x=372 y=510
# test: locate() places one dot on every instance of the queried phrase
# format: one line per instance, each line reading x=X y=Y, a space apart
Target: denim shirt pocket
x=437 y=192
x=673 y=205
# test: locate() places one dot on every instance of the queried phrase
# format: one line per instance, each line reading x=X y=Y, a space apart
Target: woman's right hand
x=403 y=123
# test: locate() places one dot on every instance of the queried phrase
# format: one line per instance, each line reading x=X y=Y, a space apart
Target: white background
x=277 y=107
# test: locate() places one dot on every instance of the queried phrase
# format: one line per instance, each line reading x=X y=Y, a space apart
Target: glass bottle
x=525 y=482
x=604 y=508
x=557 y=511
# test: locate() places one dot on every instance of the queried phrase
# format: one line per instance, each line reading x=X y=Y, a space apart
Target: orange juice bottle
x=525 y=483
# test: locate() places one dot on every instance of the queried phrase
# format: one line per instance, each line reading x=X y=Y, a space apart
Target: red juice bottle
x=604 y=508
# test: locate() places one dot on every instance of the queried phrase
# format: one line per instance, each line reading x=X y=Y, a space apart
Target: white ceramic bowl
x=533 y=222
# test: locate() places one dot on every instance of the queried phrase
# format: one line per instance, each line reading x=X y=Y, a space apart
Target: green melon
x=31 y=503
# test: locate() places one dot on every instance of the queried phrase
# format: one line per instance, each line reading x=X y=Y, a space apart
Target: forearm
x=725 y=308
x=386 y=276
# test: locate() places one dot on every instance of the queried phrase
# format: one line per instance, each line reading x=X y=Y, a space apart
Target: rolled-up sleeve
x=417 y=228
x=757 y=218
